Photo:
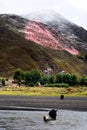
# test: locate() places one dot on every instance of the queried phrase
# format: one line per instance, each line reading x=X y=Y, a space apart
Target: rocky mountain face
x=13 y=22
x=76 y=35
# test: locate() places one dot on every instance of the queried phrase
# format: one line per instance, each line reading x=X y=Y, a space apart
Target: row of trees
x=34 y=77
x=70 y=79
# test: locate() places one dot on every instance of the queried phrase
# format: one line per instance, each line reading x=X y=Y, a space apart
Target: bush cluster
x=27 y=78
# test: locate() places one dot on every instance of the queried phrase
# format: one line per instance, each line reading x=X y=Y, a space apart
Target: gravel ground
x=42 y=103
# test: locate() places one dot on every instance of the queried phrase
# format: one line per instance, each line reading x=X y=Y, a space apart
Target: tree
x=66 y=78
x=44 y=80
x=3 y=82
x=51 y=79
x=35 y=76
x=18 y=76
x=59 y=78
x=83 y=80
x=32 y=77
x=28 y=78
x=73 y=80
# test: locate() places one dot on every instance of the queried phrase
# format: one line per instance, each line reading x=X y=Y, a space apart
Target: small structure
x=48 y=70
x=52 y=115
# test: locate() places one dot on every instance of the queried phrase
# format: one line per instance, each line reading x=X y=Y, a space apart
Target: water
x=33 y=120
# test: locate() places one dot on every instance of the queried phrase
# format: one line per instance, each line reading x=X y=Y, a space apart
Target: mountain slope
x=40 y=33
x=74 y=33
x=17 y=52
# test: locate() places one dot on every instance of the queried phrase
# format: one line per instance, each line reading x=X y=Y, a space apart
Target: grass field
x=43 y=91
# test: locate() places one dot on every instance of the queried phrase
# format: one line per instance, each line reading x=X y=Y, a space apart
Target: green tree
x=73 y=80
x=32 y=77
x=44 y=80
x=18 y=76
x=66 y=78
x=59 y=78
x=28 y=78
x=51 y=79
x=35 y=76
x=3 y=81
x=83 y=80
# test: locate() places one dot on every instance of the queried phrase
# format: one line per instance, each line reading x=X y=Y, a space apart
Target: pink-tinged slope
x=45 y=35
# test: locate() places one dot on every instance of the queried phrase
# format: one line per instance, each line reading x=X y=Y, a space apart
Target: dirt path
x=40 y=102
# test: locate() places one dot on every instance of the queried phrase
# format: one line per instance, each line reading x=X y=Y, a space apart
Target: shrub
x=57 y=85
